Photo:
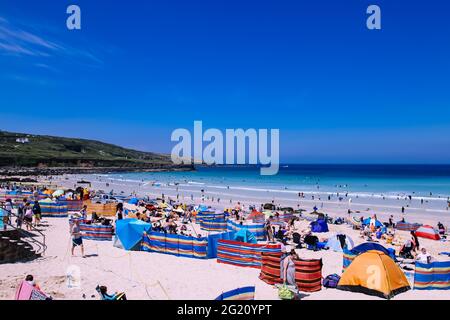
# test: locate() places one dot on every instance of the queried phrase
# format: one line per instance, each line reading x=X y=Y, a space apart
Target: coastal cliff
x=28 y=154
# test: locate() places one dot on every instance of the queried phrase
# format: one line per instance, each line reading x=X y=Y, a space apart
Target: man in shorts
x=77 y=238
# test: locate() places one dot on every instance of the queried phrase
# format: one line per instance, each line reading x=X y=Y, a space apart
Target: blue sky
x=338 y=92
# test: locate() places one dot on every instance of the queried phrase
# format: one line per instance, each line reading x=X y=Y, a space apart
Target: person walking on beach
x=77 y=238
x=37 y=212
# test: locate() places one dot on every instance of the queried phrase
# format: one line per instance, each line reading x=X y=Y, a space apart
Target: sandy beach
x=144 y=275
x=430 y=212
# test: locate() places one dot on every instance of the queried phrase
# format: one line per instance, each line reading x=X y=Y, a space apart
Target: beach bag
x=284 y=293
x=331 y=281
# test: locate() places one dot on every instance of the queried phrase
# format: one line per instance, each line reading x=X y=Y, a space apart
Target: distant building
x=22 y=140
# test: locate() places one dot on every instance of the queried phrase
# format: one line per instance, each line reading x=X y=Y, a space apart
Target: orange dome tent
x=374 y=273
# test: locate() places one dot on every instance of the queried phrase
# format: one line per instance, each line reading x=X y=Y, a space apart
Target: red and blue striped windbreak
x=96 y=232
x=244 y=293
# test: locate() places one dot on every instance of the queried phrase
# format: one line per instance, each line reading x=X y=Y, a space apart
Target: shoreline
x=430 y=212
x=56 y=171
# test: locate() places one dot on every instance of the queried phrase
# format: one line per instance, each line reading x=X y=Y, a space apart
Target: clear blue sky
x=137 y=70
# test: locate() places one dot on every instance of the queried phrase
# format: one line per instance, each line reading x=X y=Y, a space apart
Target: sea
x=417 y=181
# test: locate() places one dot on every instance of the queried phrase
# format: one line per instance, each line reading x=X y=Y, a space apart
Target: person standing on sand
x=7 y=213
x=415 y=241
x=119 y=211
x=288 y=268
x=28 y=216
x=391 y=221
x=77 y=238
x=441 y=228
x=37 y=213
x=83 y=212
x=20 y=213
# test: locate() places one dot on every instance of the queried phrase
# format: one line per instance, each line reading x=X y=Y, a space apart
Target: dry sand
x=144 y=275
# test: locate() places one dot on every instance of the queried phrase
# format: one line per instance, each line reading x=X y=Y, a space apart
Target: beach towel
x=26 y=291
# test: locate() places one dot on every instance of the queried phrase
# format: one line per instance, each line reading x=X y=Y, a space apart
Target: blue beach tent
x=320 y=225
x=129 y=233
x=377 y=222
x=244 y=235
x=373 y=246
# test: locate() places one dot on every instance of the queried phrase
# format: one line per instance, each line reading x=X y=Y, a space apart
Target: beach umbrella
x=355 y=221
x=58 y=193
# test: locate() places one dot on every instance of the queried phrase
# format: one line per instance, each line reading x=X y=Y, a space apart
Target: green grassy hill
x=48 y=151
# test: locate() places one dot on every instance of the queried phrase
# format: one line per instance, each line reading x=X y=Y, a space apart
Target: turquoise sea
x=431 y=181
